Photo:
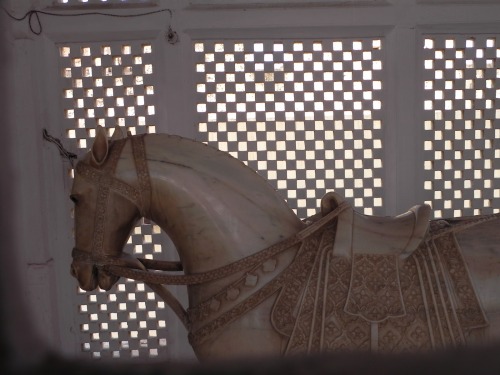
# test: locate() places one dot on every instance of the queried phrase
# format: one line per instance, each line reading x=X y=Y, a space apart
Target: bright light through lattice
x=462 y=163
x=107 y=85
x=305 y=114
x=113 y=84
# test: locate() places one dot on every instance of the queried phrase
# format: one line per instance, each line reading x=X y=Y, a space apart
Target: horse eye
x=73 y=198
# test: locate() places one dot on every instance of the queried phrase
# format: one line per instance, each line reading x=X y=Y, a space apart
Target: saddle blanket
x=377 y=302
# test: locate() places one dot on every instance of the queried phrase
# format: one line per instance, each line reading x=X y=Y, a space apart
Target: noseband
x=103 y=177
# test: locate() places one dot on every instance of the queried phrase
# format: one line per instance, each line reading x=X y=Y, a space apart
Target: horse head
x=104 y=213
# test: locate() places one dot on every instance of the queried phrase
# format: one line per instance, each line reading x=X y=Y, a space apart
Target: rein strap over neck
x=232 y=268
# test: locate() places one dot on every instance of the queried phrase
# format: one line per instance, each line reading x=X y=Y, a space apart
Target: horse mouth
x=106 y=280
x=90 y=277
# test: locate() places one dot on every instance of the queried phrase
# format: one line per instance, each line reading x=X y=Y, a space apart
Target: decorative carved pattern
x=375 y=292
x=331 y=303
x=141 y=166
x=426 y=307
x=105 y=182
x=293 y=287
x=411 y=331
x=305 y=256
x=468 y=309
x=101 y=179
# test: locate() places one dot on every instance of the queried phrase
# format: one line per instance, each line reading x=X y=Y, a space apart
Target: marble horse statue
x=262 y=282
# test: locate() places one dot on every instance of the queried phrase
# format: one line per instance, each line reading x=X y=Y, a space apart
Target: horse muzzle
x=89 y=272
x=90 y=276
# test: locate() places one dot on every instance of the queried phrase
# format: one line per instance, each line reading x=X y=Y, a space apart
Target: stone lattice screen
x=111 y=84
x=306 y=114
x=462 y=132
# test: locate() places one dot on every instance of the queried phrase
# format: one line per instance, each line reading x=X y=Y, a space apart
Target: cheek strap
x=106 y=183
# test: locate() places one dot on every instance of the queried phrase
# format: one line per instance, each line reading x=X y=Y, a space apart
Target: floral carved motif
x=408 y=302
x=328 y=302
x=375 y=292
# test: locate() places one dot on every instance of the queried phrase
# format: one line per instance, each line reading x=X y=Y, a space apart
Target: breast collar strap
x=106 y=183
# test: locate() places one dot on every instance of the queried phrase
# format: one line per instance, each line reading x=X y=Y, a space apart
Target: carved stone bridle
x=106 y=183
x=140 y=196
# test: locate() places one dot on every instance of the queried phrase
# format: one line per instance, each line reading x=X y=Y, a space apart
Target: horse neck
x=214 y=208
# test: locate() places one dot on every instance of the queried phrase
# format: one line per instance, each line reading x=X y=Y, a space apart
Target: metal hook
x=172 y=36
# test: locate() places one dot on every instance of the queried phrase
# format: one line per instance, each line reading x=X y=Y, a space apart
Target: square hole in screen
x=462 y=163
x=112 y=84
x=307 y=114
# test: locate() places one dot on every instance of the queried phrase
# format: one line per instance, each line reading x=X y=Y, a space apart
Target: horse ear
x=100 y=147
x=117 y=134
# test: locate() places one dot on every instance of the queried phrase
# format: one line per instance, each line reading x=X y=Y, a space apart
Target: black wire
x=62 y=151
x=38 y=30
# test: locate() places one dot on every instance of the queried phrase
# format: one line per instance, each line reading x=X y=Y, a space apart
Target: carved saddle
x=358 y=282
x=377 y=235
x=376 y=283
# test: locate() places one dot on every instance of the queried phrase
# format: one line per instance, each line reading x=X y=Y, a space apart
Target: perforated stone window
x=462 y=157
x=130 y=320
x=111 y=84
x=107 y=84
x=306 y=114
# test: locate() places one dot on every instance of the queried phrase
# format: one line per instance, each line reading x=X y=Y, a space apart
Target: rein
x=156 y=280
x=229 y=269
